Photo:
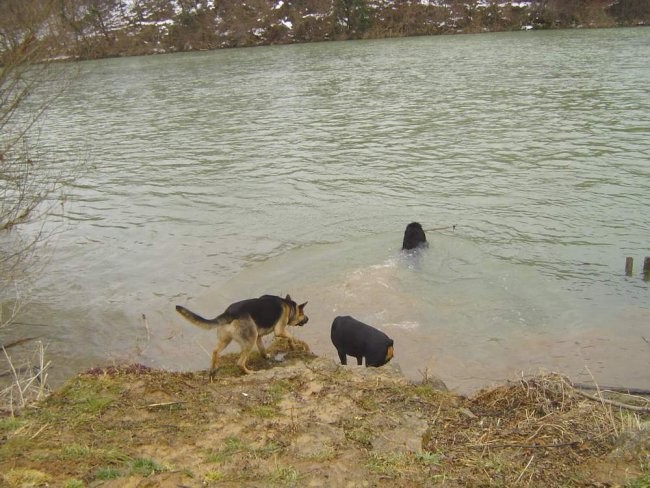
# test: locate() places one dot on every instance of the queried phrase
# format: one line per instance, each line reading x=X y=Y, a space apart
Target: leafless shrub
x=32 y=187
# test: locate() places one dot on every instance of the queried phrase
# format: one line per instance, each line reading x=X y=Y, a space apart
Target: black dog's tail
x=207 y=324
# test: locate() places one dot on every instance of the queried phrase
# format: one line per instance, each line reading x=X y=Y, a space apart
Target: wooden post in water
x=629 y=264
x=646 y=269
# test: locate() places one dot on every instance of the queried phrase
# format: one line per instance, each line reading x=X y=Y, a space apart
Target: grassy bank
x=306 y=421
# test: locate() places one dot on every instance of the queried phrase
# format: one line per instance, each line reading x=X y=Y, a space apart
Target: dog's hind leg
x=241 y=362
x=223 y=339
x=260 y=347
x=247 y=339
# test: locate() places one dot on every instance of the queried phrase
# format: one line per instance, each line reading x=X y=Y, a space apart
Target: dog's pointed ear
x=302 y=306
x=288 y=298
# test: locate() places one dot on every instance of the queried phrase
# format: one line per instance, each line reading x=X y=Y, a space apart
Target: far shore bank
x=71 y=58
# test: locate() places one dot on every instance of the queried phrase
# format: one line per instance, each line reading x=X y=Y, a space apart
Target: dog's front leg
x=343 y=357
x=285 y=333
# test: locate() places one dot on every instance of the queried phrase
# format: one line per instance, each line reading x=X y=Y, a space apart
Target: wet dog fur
x=247 y=321
x=414 y=237
x=353 y=338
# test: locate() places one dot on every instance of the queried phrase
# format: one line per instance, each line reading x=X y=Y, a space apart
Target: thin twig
x=16 y=379
x=42 y=375
x=163 y=404
x=38 y=432
x=522 y=473
x=527 y=446
x=452 y=227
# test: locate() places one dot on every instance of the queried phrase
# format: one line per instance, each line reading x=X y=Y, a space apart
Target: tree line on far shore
x=90 y=29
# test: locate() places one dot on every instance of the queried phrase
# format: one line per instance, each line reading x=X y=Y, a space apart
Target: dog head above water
x=414 y=237
x=297 y=315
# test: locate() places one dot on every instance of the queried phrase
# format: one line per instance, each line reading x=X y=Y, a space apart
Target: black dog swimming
x=354 y=338
x=414 y=237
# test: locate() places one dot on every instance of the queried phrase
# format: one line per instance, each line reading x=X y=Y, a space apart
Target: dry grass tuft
x=535 y=431
x=23 y=383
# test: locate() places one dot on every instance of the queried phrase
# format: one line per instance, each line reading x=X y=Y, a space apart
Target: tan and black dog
x=247 y=321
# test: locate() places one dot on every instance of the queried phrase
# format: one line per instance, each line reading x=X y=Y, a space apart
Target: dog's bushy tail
x=207 y=324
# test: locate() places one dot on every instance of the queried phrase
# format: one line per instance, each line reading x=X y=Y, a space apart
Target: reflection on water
x=224 y=175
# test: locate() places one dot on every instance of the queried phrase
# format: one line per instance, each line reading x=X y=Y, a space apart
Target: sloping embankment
x=309 y=422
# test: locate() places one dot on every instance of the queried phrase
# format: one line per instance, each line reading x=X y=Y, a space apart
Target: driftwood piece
x=626 y=406
x=617 y=389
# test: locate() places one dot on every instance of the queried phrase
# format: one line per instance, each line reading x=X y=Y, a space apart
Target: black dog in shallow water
x=359 y=340
x=414 y=237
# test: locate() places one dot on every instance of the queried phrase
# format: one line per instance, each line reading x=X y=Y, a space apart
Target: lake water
x=224 y=175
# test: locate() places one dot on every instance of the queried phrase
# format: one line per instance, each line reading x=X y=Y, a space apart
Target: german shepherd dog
x=353 y=338
x=247 y=322
x=414 y=237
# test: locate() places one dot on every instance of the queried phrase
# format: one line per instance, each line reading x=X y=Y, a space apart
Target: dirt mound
x=306 y=421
